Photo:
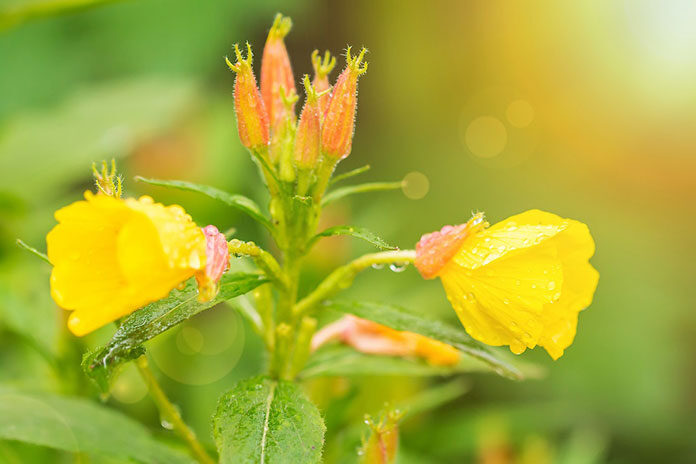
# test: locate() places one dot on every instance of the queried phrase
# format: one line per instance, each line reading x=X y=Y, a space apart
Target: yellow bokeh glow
x=520 y=113
x=486 y=137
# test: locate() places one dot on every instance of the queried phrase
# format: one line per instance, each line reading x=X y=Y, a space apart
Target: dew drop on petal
x=378 y=266
x=552 y=285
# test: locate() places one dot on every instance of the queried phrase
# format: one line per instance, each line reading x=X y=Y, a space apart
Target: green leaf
x=80 y=426
x=342 y=360
x=100 y=122
x=399 y=319
x=339 y=193
x=239 y=202
x=262 y=420
x=154 y=319
x=358 y=232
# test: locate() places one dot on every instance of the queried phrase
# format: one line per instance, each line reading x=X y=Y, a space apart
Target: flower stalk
x=170 y=413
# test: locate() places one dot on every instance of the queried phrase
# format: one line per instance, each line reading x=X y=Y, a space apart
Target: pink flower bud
x=252 y=118
x=308 y=129
x=436 y=249
x=322 y=68
x=339 y=120
x=276 y=72
x=217 y=262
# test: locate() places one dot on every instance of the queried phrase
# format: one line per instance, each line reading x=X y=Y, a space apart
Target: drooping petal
x=522 y=282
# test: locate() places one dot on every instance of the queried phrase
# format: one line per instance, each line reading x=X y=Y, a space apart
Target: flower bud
x=217 y=261
x=339 y=120
x=322 y=68
x=383 y=442
x=252 y=118
x=308 y=129
x=276 y=71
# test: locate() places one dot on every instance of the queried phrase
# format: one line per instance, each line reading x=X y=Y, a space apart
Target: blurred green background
x=585 y=109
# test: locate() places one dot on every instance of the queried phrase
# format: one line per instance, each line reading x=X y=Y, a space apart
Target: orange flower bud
x=252 y=119
x=322 y=68
x=308 y=129
x=276 y=71
x=339 y=120
x=381 y=446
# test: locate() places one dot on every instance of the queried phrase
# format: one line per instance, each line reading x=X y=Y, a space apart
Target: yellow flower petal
x=112 y=256
x=523 y=281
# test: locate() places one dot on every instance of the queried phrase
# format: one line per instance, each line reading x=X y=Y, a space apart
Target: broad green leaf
x=339 y=193
x=262 y=420
x=100 y=122
x=239 y=202
x=154 y=319
x=358 y=232
x=80 y=426
x=18 y=12
x=399 y=319
x=341 y=360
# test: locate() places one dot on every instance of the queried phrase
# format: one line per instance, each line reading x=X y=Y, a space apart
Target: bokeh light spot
x=520 y=113
x=129 y=387
x=189 y=340
x=416 y=185
x=486 y=137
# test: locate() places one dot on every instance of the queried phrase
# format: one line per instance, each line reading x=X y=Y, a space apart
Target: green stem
x=170 y=413
x=264 y=259
x=339 y=193
x=344 y=275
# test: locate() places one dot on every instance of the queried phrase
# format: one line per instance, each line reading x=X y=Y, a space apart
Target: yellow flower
x=521 y=282
x=112 y=256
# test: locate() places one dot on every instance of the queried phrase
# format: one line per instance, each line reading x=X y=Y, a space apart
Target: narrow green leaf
x=358 y=232
x=80 y=426
x=339 y=193
x=399 y=319
x=240 y=202
x=262 y=420
x=155 y=318
x=342 y=360
x=349 y=174
x=31 y=249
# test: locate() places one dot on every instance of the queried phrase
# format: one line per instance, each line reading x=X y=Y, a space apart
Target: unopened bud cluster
x=302 y=152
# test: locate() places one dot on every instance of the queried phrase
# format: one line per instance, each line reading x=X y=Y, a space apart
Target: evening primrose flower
x=521 y=282
x=373 y=338
x=111 y=256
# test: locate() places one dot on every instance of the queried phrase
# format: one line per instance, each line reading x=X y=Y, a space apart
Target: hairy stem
x=170 y=413
x=264 y=259
x=344 y=275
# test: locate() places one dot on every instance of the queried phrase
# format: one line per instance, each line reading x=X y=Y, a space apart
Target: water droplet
x=557 y=296
x=398 y=267
x=378 y=266
x=552 y=285
x=166 y=424
x=534 y=285
x=475 y=250
x=506 y=301
x=487 y=239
